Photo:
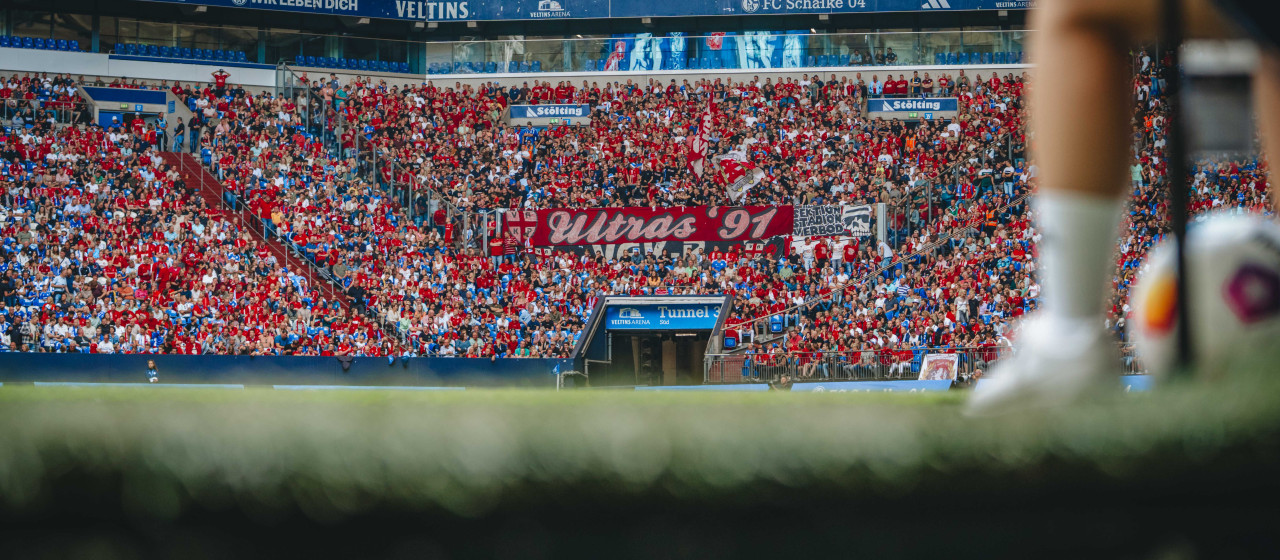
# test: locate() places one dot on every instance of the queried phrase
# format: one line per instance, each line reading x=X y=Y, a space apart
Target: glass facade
x=643 y=51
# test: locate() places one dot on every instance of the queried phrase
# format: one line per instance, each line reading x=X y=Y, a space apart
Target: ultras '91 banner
x=610 y=226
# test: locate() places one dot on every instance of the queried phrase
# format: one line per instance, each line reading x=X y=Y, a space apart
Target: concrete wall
x=92 y=64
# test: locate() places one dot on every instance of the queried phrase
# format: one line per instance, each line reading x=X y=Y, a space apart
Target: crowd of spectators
x=359 y=175
x=106 y=249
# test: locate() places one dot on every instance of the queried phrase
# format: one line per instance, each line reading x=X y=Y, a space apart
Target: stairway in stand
x=210 y=189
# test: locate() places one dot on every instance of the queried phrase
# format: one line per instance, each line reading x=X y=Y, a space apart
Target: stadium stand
x=383 y=188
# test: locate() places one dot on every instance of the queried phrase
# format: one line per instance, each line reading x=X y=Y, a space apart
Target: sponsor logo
x=555 y=110
x=892 y=105
x=936 y=5
x=750 y=6
x=549 y=9
x=239 y=2
x=630 y=313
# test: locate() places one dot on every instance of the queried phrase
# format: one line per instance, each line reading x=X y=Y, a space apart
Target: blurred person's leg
x=1080 y=104
x=1266 y=103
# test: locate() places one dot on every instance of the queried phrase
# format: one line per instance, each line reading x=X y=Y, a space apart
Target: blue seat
x=588 y=65
x=241 y=56
x=986 y=58
x=810 y=60
x=939 y=59
x=331 y=62
x=40 y=43
x=186 y=52
x=524 y=67
x=4 y=41
x=512 y=66
x=404 y=67
x=342 y=63
x=952 y=59
x=964 y=58
x=1018 y=58
x=62 y=44
x=491 y=67
x=299 y=60
x=363 y=64
x=600 y=65
x=311 y=61
x=28 y=43
x=119 y=49
x=844 y=60
x=219 y=54
x=537 y=66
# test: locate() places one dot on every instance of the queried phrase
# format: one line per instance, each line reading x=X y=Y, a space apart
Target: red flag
x=699 y=141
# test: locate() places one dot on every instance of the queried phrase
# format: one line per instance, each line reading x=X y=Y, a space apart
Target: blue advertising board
x=664 y=317
x=913 y=104
x=550 y=111
x=872 y=387
x=510 y=10
x=1130 y=383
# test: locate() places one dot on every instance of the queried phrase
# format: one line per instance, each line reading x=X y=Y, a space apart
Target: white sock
x=1077 y=252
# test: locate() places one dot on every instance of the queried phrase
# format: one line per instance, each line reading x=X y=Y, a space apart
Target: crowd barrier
x=876 y=365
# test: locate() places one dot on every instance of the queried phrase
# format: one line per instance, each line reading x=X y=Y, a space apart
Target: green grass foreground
x=335 y=452
x=155 y=455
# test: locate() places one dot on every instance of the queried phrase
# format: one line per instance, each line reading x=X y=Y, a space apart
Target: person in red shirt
x=220 y=81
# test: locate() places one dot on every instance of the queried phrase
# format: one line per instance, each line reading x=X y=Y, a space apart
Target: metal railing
x=862 y=365
x=33 y=111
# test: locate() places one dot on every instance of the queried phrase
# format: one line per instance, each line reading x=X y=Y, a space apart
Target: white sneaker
x=1054 y=363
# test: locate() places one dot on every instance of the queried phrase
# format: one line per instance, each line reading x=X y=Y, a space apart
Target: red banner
x=611 y=226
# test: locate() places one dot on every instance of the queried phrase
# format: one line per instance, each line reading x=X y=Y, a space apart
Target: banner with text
x=830 y=221
x=550 y=111
x=817 y=221
x=774 y=248
x=913 y=105
x=509 y=10
x=609 y=226
x=662 y=317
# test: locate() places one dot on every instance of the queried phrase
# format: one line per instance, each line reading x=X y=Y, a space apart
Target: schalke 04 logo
x=750 y=6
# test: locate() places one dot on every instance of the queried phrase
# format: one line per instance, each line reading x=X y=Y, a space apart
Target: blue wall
x=132 y=96
x=280 y=370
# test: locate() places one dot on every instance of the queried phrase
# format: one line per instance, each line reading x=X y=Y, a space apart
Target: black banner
x=818 y=221
x=856 y=220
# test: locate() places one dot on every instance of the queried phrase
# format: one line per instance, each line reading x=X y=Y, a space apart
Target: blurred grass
x=334 y=454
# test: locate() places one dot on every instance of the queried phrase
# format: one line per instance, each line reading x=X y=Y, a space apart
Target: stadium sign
x=662 y=317
x=906 y=105
x=514 y=10
x=549 y=111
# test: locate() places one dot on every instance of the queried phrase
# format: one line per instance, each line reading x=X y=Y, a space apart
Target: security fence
x=960 y=364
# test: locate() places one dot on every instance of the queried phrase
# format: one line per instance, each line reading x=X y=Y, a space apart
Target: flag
x=699 y=141
x=740 y=174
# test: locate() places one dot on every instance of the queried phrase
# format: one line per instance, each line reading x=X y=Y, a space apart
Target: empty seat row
x=351 y=64
x=1002 y=57
x=510 y=67
x=154 y=51
x=38 y=43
